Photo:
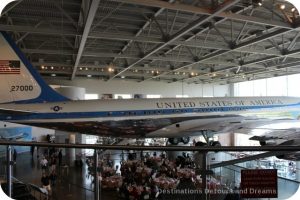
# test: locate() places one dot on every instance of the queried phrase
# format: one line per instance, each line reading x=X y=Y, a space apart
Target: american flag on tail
x=10 y=67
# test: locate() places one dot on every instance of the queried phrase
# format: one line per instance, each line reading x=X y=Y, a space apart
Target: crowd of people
x=49 y=164
x=144 y=178
x=49 y=160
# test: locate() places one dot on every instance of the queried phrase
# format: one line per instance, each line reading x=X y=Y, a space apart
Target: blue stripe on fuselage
x=126 y=113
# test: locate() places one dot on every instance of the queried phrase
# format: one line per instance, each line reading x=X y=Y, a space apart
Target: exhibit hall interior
x=149 y=99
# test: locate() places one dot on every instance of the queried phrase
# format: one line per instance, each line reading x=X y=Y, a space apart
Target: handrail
x=282 y=148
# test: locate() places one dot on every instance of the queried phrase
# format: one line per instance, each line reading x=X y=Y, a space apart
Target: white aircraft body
x=27 y=99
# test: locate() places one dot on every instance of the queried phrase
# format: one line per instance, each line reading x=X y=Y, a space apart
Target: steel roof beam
x=185 y=30
x=90 y=18
x=236 y=48
x=143 y=28
x=121 y=37
x=128 y=56
x=203 y=11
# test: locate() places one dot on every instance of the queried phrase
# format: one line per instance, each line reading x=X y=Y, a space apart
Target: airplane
x=27 y=99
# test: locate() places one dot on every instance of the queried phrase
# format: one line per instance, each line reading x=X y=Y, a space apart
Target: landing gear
x=176 y=141
x=262 y=143
x=185 y=140
x=207 y=136
x=215 y=143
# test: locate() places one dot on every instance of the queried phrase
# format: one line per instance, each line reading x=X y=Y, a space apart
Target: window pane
x=91 y=96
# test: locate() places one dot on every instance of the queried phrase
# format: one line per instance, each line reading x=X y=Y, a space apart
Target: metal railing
x=204 y=150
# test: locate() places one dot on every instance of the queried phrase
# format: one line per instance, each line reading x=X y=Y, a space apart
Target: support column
x=9 y=170
x=96 y=178
x=80 y=139
x=204 y=174
x=297 y=170
x=72 y=154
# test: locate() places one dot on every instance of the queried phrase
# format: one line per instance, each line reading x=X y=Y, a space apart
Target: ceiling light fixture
x=89 y=76
x=111 y=69
x=296 y=3
x=257 y=2
x=282 y=7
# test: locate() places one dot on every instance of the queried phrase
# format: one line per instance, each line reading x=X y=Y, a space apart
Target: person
x=37 y=152
x=198 y=156
x=44 y=163
x=45 y=182
x=53 y=177
x=48 y=137
x=32 y=150
x=15 y=155
x=59 y=157
x=53 y=164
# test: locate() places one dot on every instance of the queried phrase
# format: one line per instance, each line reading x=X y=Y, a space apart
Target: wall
x=38 y=133
x=94 y=86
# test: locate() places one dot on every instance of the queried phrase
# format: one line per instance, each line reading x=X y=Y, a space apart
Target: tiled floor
x=74 y=186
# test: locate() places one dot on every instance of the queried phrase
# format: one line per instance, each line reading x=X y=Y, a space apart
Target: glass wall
x=277 y=86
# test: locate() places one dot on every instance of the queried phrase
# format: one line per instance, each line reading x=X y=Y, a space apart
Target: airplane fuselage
x=139 y=117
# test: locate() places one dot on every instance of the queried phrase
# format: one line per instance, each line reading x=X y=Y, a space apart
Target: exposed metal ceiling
x=195 y=41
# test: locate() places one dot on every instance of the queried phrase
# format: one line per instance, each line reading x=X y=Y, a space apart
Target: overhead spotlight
x=53 y=75
x=282 y=7
x=152 y=72
x=257 y=2
x=192 y=73
x=42 y=67
x=89 y=76
x=122 y=76
x=157 y=72
x=86 y=68
x=111 y=69
x=214 y=74
x=52 y=67
x=80 y=68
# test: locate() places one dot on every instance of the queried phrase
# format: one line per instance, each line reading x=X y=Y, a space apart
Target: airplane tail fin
x=19 y=81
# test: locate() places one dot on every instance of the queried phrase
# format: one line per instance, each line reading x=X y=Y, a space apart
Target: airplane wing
x=261 y=129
